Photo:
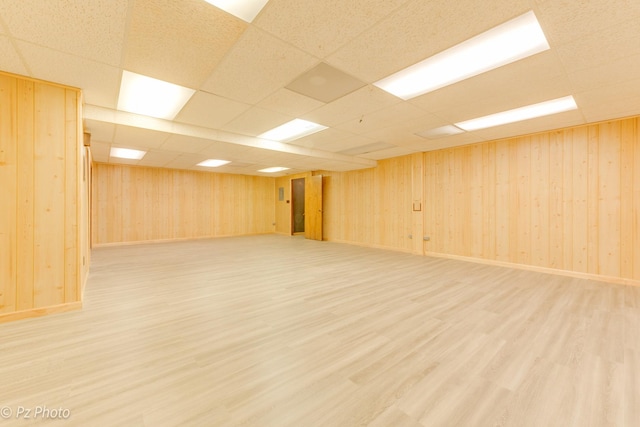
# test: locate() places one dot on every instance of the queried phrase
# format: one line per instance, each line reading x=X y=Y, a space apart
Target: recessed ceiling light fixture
x=213 y=163
x=127 y=153
x=546 y=108
x=273 y=170
x=292 y=130
x=246 y=10
x=514 y=40
x=151 y=97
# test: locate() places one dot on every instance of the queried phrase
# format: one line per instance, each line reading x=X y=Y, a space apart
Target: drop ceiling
x=244 y=73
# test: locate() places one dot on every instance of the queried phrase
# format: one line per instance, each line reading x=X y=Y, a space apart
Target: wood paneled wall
x=133 y=204
x=40 y=197
x=372 y=207
x=566 y=200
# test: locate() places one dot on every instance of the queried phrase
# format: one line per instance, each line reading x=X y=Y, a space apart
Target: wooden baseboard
x=38 y=312
x=576 y=274
x=177 y=239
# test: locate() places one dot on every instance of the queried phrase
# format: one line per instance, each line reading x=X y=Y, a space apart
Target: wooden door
x=313 y=208
x=298 y=205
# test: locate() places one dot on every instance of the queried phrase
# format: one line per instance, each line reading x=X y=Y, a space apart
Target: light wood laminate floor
x=280 y=331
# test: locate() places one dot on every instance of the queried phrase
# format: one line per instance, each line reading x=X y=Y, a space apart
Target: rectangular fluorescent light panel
x=514 y=40
x=518 y=114
x=213 y=163
x=151 y=97
x=292 y=130
x=127 y=153
x=273 y=170
x=246 y=10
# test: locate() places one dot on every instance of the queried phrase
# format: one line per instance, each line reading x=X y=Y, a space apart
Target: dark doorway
x=297 y=205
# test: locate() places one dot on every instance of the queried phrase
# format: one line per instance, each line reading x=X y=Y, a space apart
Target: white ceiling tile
x=339 y=166
x=608 y=102
x=322 y=27
x=601 y=47
x=565 y=20
x=240 y=168
x=423 y=144
x=418 y=31
x=179 y=41
x=100 y=83
x=100 y=151
x=10 y=61
x=388 y=153
x=255 y=121
x=343 y=144
x=225 y=151
x=184 y=161
x=185 y=144
x=404 y=132
x=323 y=139
x=132 y=137
x=290 y=103
x=257 y=66
x=100 y=131
x=210 y=111
x=353 y=106
x=158 y=159
x=621 y=70
x=119 y=161
x=91 y=29
x=380 y=119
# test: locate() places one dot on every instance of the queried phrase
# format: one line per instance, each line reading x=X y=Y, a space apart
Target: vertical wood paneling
x=521 y=149
x=429 y=207
x=474 y=208
x=562 y=203
x=26 y=196
x=416 y=230
x=461 y=177
x=72 y=201
x=40 y=172
x=541 y=185
x=49 y=240
x=488 y=199
x=8 y=193
x=567 y=200
x=503 y=194
x=609 y=200
x=592 y=200
x=449 y=225
x=439 y=231
x=141 y=204
x=635 y=242
x=627 y=148
x=373 y=207
x=581 y=211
